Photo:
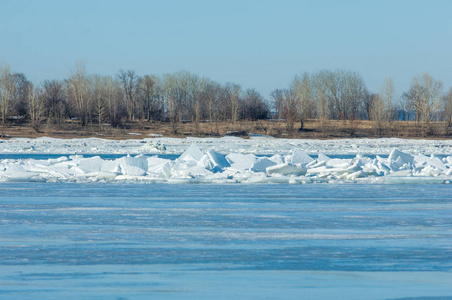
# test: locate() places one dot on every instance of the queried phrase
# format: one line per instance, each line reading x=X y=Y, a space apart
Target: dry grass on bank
x=313 y=129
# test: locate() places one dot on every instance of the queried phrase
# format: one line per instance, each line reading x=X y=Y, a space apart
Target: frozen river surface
x=154 y=241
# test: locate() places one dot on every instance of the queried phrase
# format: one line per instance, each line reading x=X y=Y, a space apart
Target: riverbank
x=312 y=129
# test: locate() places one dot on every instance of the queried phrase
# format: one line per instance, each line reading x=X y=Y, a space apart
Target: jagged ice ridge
x=293 y=165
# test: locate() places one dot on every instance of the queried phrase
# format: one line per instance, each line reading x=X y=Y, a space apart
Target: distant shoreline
x=244 y=129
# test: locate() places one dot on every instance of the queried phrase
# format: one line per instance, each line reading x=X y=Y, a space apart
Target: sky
x=257 y=44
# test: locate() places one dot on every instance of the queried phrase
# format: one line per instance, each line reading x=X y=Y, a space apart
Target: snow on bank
x=230 y=160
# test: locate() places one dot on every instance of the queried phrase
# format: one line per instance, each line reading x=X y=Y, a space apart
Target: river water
x=163 y=241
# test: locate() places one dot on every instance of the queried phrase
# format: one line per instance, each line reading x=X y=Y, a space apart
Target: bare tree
x=171 y=97
x=367 y=105
x=222 y=106
x=254 y=106
x=290 y=108
x=387 y=95
x=345 y=92
x=129 y=83
x=196 y=86
x=147 y=85
x=303 y=90
x=381 y=110
x=320 y=92
x=332 y=83
x=7 y=89
x=21 y=91
x=53 y=95
x=113 y=100
x=278 y=100
x=233 y=92
x=182 y=93
x=158 y=103
x=36 y=107
x=448 y=111
x=78 y=92
x=378 y=113
x=424 y=99
x=99 y=99
x=212 y=91
x=354 y=94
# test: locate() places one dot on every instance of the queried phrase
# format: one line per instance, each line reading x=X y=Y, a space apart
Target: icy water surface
x=162 y=241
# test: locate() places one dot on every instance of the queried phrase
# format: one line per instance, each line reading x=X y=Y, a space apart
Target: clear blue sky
x=258 y=44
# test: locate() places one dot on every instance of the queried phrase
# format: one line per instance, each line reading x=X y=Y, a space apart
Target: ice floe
x=202 y=162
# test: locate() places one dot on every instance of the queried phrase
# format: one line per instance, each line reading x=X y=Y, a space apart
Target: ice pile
x=197 y=166
x=253 y=145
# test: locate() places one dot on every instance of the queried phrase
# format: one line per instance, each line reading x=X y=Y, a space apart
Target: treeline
x=114 y=100
x=342 y=95
x=186 y=97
